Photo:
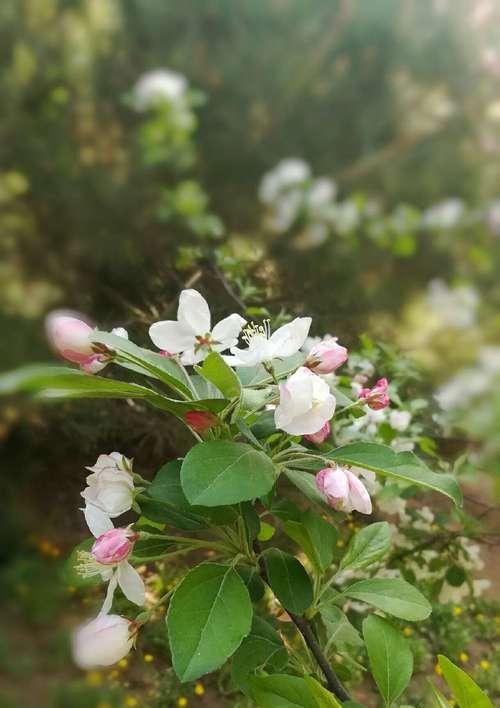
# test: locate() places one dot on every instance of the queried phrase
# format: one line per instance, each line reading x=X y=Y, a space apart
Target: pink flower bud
x=377 y=397
x=200 y=420
x=326 y=356
x=113 y=546
x=321 y=435
x=70 y=336
x=103 y=641
x=343 y=490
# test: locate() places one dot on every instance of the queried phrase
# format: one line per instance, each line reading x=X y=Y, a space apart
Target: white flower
x=287 y=173
x=263 y=346
x=323 y=191
x=444 y=215
x=394 y=506
x=399 y=420
x=456 y=307
x=103 y=641
x=109 y=492
x=159 y=85
x=306 y=403
x=190 y=335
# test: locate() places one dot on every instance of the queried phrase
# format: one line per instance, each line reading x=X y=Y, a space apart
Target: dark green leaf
x=288 y=580
x=398 y=465
x=315 y=536
x=220 y=472
x=209 y=615
x=262 y=648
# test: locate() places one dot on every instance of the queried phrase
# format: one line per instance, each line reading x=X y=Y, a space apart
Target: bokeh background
x=377 y=124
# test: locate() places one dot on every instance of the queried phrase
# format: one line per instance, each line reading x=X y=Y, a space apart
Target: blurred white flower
x=394 y=506
x=471 y=382
x=345 y=217
x=444 y=215
x=321 y=193
x=103 y=641
x=493 y=217
x=399 y=420
x=287 y=173
x=456 y=307
x=158 y=85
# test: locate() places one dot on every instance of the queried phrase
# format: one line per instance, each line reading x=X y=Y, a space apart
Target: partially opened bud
x=70 y=336
x=343 y=490
x=113 y=546
x=201 y=420
x=103 y=641
x=321 y=435
x=326 y=356
x=377 y=397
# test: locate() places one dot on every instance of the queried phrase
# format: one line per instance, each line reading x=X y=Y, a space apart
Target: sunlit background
x=333 y=157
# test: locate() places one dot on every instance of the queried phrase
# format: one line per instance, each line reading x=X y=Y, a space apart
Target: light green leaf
x=324 y=699
x=215 y=370
x=262 y=648
x=143 y=360
x=438 y=700
x=209 y=615
x=368 y=546
x=465 y=691
x=392 y=595
x=315 y=536
x=339 y=630
x=398 y=465
x=391 y=660
x=220 y=472
x=307 y=484
x=288 y=580
x=281 y=691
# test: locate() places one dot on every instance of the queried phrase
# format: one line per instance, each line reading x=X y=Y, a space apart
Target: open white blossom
x=263 y=346
x=444 y=215
x=287 y=173
x=306 y=403
x=191 y=334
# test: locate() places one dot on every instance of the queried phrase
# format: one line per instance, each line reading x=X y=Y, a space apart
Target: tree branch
x=304 y=627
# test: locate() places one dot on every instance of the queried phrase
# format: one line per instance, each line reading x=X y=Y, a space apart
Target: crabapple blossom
x=201 y=420
x=109 y=559
x=306 y=403
x=109 y=492
x=191 y=335
x=263 y=346
x=343 y=490
x=113 y=546
x=326 y=356
x=321 y=435
x=103 y=641
x=71 y=336
x=377 y=397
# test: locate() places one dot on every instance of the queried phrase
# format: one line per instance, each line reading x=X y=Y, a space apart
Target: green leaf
x=398 y=465
x=315 y=536
x=324 y=699
x=281 y=691
x=151 y=547
x=465 y=691
x=215 y=370
x=392 y=595
x=257 y=375
x=391 y=660
x=439 y=701
x=262 y=648
x=339 y=630
x=209 y=615
x=288 y=580
x=220 y=472
x=254 y=583
x=307 y=484
x=368 y=546
x=160 y=367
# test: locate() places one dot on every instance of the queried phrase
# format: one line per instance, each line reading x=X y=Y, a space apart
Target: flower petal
x=226 y=331
x=97 y=520
x=110 y=593
x=287 y=340
x=193 y=313
x=358 y=494
x=171 y=336
x=131 y=583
